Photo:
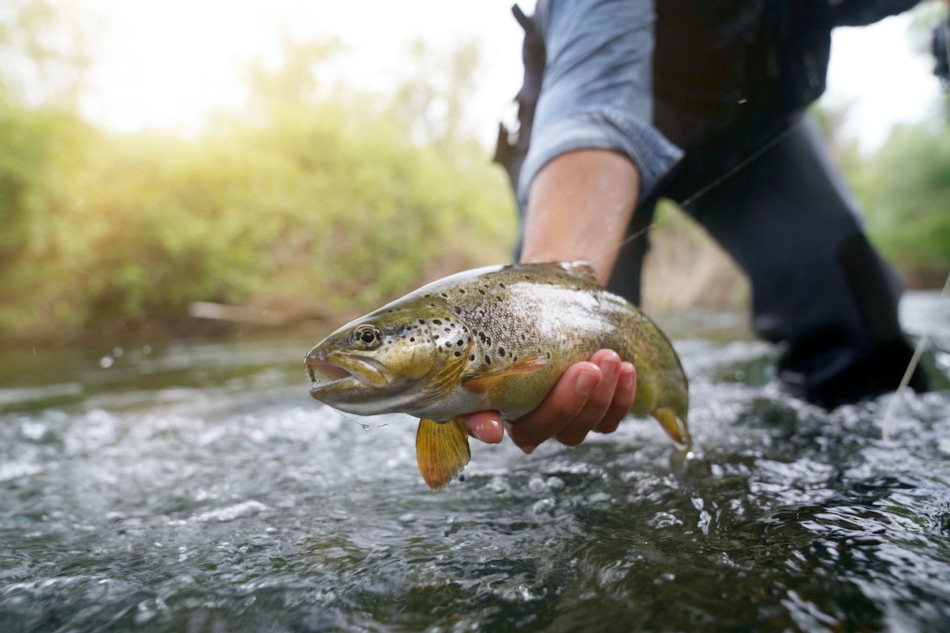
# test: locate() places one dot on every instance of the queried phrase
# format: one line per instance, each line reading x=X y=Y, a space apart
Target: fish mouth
x=344 y=374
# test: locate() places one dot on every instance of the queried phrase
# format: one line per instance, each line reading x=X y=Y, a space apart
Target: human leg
x=791 y=224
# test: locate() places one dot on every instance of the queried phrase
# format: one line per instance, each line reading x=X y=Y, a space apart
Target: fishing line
x=914 y=361
x=921 y=344
x=362 y=425
x=706 y=189
x=347 y=417
x=919 y=350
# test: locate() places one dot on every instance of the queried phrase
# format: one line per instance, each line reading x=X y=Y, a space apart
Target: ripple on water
x=238 y=506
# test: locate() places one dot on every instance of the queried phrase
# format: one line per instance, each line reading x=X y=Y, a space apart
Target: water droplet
x=543 y=506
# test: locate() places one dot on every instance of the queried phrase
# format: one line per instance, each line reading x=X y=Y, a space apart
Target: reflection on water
x=199 y=488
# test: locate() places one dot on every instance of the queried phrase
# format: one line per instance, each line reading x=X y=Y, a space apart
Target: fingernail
x=528 y=449
x=586 y=383
x=627 y=379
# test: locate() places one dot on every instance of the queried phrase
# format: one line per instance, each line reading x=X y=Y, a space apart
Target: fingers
x=598 y=402
x=486 y=426
x=593 y=395
x=559 y=408
x=624 y=396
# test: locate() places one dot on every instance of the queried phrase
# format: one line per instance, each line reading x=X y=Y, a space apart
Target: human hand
x=592 y=395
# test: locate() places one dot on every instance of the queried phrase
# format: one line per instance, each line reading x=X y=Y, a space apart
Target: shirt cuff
x=608 y=129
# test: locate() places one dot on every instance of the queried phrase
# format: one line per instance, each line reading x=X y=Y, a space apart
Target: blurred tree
x=908 y=201
x=293 y=83
x=928 y=18
x=44 y=54
x=904 y=186
x=432 y=98
x=314 y=200
x=42 y=62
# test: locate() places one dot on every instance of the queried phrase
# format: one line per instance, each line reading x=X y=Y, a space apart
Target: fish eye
x=367 y=336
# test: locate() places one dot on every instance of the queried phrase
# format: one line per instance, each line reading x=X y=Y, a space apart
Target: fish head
x=400 y=358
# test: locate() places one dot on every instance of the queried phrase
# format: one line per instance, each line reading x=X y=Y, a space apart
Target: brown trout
x=495 y=338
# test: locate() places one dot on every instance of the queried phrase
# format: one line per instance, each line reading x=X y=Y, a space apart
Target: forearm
x=579 y=206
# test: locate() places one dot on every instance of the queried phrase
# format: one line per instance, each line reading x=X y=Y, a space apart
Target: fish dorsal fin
x=442 y=450
x=485 y=380
x=580 y=269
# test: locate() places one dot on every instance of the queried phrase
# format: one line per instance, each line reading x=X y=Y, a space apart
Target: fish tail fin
x=442 y=450
x=675 y=427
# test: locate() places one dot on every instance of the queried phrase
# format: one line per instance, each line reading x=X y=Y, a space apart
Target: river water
x=197 y=487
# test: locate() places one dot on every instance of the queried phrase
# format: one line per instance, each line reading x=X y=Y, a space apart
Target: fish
x=494 y=338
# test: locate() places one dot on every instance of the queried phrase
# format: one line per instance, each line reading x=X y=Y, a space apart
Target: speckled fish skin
x=495 y=338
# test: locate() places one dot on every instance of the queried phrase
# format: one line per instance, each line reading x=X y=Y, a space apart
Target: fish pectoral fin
x=483 y=381
x=674 y=427
x=442 y=450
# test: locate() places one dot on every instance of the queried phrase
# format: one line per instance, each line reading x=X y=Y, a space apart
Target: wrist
x=579 y=207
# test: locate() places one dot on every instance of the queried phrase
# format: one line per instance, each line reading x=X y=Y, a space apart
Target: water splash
x=215 y=494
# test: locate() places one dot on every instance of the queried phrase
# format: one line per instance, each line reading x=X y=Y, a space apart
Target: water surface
x=197 y=487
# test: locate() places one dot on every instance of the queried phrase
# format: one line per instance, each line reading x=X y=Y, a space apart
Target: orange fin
x=442 y=450
x=486 y=380
x=674 y=427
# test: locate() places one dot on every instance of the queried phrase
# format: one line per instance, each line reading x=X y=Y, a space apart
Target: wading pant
x=818 y=286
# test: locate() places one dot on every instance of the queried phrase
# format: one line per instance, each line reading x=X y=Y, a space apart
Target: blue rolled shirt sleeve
x=597 y=88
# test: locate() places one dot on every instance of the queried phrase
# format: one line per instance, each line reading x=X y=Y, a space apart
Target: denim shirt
x=597 y=88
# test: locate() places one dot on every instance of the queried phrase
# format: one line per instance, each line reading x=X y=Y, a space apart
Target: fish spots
x=484 y=338
x=436 y=322
x=501 y=352
x=457 y=353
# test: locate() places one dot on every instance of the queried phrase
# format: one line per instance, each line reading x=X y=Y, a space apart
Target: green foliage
x=24 y=165
x=908 y=201
x=43 y=55
x=431 y=100
x=904 y=190
x=307 y=201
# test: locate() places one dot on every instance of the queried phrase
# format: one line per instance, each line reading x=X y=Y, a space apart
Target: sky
x=170 y=63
